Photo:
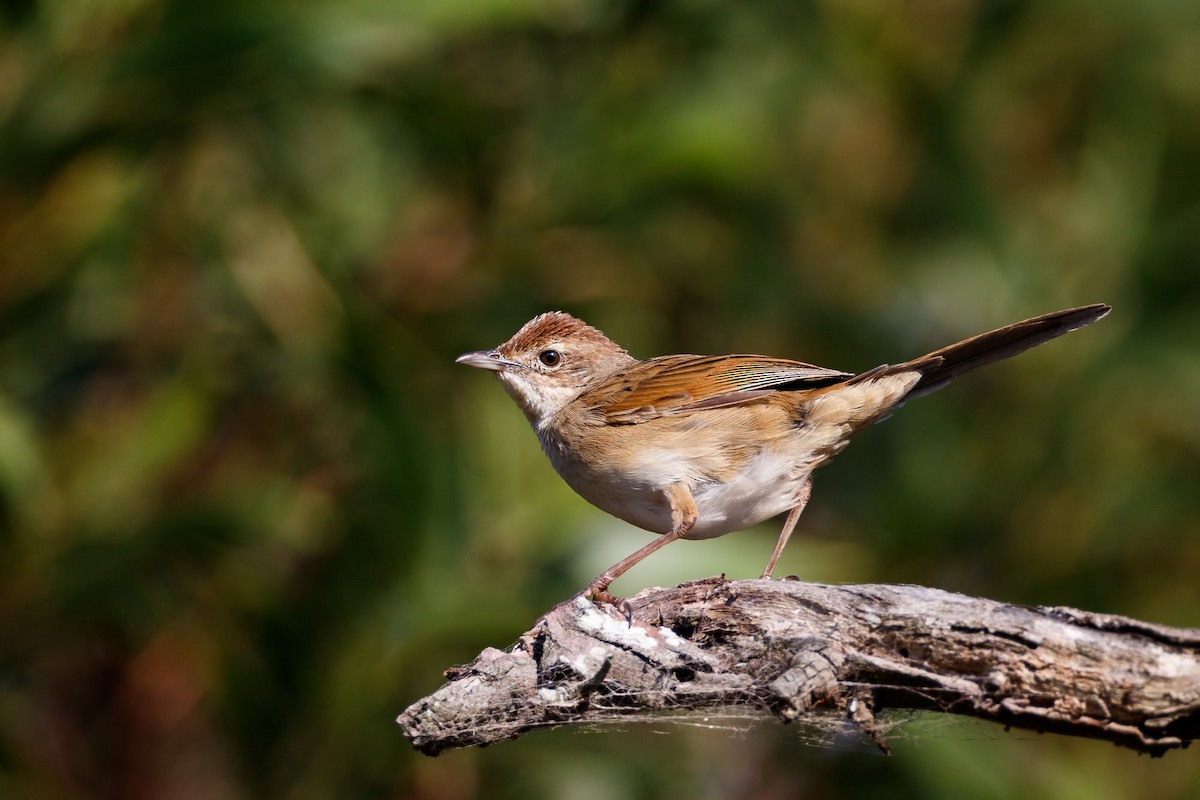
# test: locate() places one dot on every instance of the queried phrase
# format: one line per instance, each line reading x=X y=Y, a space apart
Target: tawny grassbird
x=698 y=446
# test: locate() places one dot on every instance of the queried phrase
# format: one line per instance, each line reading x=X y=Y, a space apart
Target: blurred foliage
x=249 y=508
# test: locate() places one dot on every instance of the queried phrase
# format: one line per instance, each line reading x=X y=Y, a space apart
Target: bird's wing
x=675 y=384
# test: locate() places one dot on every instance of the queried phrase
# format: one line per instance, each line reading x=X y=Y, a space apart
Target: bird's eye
x=551 y=358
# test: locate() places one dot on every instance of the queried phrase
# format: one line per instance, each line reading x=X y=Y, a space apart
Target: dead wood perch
x=793 y=649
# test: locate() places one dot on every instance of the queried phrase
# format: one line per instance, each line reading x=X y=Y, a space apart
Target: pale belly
x=762 y=492
x=769 y=485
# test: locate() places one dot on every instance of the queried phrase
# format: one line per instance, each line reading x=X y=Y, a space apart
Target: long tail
x=938 y=367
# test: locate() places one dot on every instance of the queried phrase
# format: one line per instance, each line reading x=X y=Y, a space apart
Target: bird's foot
x=597 y=592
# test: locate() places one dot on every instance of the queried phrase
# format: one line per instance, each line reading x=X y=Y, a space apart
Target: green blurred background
x=250 y=509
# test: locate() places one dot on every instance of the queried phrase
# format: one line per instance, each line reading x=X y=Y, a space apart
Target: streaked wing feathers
x=675 y=384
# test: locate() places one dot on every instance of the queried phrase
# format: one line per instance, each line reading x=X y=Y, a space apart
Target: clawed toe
x=600 y=595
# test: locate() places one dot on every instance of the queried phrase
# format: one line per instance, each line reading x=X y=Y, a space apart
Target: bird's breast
x=741 y=468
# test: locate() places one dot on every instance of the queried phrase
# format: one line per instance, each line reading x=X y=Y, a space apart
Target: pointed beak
x=485 y=359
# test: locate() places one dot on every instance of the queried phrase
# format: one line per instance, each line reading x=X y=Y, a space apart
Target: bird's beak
x=485 y=359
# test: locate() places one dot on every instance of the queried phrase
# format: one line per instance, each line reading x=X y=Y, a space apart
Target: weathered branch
x=797 y=649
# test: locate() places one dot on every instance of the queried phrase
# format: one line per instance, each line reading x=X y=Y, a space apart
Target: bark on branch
x=796 y=649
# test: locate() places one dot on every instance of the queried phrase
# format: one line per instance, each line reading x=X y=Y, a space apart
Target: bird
x=695 y=447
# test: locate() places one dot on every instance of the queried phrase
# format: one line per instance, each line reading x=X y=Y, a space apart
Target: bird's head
x=549 y=362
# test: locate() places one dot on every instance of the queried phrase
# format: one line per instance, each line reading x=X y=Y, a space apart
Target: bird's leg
x=683 y=517
x=789 y=525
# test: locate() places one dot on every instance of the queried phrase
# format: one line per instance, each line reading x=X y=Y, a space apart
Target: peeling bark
x=796 y=649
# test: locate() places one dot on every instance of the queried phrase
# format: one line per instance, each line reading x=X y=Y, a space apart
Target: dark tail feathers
x=942 y=365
